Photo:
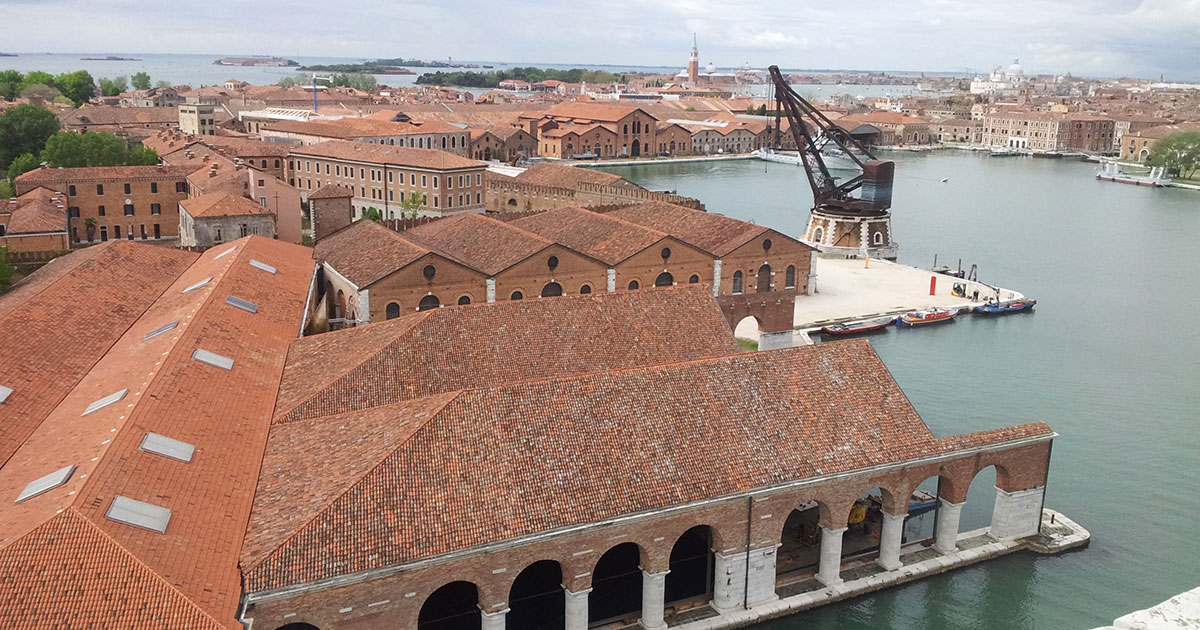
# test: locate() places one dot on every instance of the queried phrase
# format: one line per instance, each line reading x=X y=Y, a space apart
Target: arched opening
x=664 y=279
x=790 y=277
x=393 y=310
x=585 y=289
x=819 y=235
x=512 y=203
x=487 y=154
x=877 y=238
x=764 y=279
x=633 y=284
x=800 y=548
x=428 y=302
x=552 y=289
x=536 y=598
x=636 y=149
x=694 y=279
x=452 y=607
x=298 y=626
x=981 y=499
x=464 y=300
x=737 y=282
x=339 y=307
x=516 y=295
x=748 y=332
x=691 y=578
x=616 y=585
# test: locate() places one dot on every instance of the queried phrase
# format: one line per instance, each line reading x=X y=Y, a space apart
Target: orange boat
x=926 y=318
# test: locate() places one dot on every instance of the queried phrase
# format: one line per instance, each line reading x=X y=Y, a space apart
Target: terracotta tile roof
x=385 y=154
x=503 y=462
x=224 y=414
x=331 y=191
x=440 y=350
x=546 y=174
x=593 y=111
x=366 y=251
x=221 y=204
x=1163 y=131
x=887 y=118
x=606 y=238
x=113 y=283
x=713 y=233
x=50 y=177
x=481 y=243
x=112 y=115
x=36 y=212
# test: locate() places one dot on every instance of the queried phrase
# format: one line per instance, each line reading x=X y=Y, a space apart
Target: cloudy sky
x=1143 y=38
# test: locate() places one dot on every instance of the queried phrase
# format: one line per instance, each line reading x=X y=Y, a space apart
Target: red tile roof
x=481 y=243
x=331 y=191
x=593 y=111
x=48 y=177
x=713 y=233
x=222 y=204
x=606 y=238
x=36 y=212
x=366 y=251
x=546 y=174
x=435 y=159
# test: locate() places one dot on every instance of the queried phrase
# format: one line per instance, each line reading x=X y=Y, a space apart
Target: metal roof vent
x=262 y=265
x=47 y=483
x=139 y=514
x=238 y=302
x=5 y=392
x=167 y=447
x=106 y=401
x=226 y=252
x=213 y=359
x=198 y=285
x=160 y=330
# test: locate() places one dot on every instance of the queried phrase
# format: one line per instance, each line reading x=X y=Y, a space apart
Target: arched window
x=512 y=202
x=455 y=605
x=464 y=300
x=737 y=282
x=789 y=279
x=664 y=279
x=694 y=279
x=429 y=302
x=552 y=289
x=819 y=235
x=627 y=130
x=393 y=310
x=877 y=238
x=633 y=284
x=516 y=295
x=764 y=279
x=585 y=289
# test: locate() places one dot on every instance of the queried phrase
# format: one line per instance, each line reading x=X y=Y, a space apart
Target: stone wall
x=515 y=196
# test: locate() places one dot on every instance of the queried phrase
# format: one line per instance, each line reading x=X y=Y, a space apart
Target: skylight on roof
x=47 y=483
x=242 y=304
x=167 y=447
x=5 y=392
x=198 y=285
x=160 y=330
x=213 y=359
x=139 y=514
x=224 y=253
x=106 y=401
x=262 y=265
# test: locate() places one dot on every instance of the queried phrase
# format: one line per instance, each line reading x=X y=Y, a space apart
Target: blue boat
x=1001 y=308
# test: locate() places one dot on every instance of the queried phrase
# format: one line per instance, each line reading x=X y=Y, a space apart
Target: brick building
x=34 y=225
x=329 y=210
x=1048 y=131
x=431 y=134
x=122 y=202
x=895 y=128
x=633 y=131
x=384 y=176
x=502 y=143
x=220 y=217
x=546 y=186
x=1136 y=146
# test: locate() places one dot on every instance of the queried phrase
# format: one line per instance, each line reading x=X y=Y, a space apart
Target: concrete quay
x=1058 y=534
x=1181 y=612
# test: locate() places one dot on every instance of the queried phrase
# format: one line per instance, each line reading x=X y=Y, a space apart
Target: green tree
x=77 y=86
x=140 y=81
x=45 y=92
x=36 y=78
x=10 y=84
x=356 y=80
x=372 y=214
x=162 y=84
x=411 y=205
x=1178 y=152
x=6 y=190
x=113 y=86
x=288 y=82
x=67 y=150
x=24 y=129
x=142 y=156
x=23 y=164
x=6 y=270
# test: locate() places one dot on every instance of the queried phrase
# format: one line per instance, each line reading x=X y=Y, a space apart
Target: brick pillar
x=830 y=569
x=889 y=541
x=946 y=536
x=1017 y=514
x=493 y=620
x=653 y=597
x=576 y=609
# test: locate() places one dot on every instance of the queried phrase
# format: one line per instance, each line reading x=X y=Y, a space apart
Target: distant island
x=4 y=54
x=108 y=58
x=256 y=61
x=530 y=74
x=387 y=66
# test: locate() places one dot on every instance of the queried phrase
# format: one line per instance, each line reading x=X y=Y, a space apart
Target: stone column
x=947 y=526
x=830 y=569
x=491 y=290
x=654 y=591
x=812 y=273
x=761 y=580
x=716 y=287
x=577 y=609
x=729 y=581
x=612 y=279
x=889 y=541
x=1017 y=514
x=493 y=620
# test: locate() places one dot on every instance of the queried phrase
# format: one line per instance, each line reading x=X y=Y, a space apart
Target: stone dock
x=802 y=592
x=1181 y=612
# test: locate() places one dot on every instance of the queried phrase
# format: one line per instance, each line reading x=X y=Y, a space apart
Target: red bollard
x=932 y=285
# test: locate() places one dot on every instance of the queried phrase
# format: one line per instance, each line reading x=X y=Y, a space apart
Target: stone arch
x=464 y=300
x=877 y=238
x=664 y=279
x=694 y=279
x=691 y=566
x=339 y=306
x=981 y=497
x=818 y=235
x=552 y=289
x=585 y=289
x=799 y=537
x=517 y=295
x=452 y=606
x=749 y=327
x=617 y=584
x=789 y=278
x=535 y=597
x=298 y=626
x=428 y=302
x=634 y=284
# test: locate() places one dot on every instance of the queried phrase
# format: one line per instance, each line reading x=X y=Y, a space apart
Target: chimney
x=205 y=158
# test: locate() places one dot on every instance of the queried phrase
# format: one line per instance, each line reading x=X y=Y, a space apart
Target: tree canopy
x=66 y=149
x=6 y=270
x=113 y=86
x=24 y=129
x=531 y=74
x=23 y=164
x=1178 y=152
x=140 y=81
x=77 y=86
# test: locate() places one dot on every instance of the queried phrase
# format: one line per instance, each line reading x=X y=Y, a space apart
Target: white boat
x=1004 y=152
x=836 y=161
x=1157 y=178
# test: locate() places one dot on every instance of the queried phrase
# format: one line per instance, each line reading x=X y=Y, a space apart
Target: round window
x=552 y=262
x=767 y=245
x=428 y=272
x=666 y=253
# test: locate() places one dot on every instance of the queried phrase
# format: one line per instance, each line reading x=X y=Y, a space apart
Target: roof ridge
x=449 y=396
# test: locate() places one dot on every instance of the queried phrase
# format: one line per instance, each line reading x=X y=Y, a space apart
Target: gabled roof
x=366 y=251
x=481 y=243
x=606 y=238
x=47 y=176
x=36 y=212
x=222 y=204
x=513 y=460
x=714 y=233
x=546 y=174
x=331 y=191
x=593 y=111
x=386 y=154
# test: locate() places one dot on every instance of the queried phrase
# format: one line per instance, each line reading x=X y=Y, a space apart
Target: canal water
x=1110 y=360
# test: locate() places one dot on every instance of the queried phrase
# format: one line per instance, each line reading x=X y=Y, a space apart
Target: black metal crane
x=829 y=195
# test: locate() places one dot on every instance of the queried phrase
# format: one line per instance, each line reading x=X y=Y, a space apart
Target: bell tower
x=694 y=62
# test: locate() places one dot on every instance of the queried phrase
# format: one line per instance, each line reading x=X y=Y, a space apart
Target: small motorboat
x=926 y=318
x=1011 y=306
x=850 y=328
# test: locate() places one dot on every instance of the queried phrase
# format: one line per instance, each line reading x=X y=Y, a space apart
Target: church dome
x=710 y=68
x=1015 y=69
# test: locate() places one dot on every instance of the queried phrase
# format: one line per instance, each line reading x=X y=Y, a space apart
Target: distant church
x=692 y=77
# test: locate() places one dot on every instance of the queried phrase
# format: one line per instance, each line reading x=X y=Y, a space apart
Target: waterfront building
x=956 y=131
x=384 y=176
x=894 y=128
x=1001 y=82
x=34 y=226
x=219 y=217
x=1136 y=147
x=694 y=77
x=115 y=202
x=421 y=135
x=1124 y=124
x=504 y=143
x=1048 y=131
x=634 y=131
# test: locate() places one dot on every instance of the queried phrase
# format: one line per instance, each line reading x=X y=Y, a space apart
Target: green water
x=1109 y=359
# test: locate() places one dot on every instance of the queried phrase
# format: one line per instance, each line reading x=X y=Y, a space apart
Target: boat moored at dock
x=927 y=318
x=1011 y=306
x=850 y=328
x=1156 y=178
